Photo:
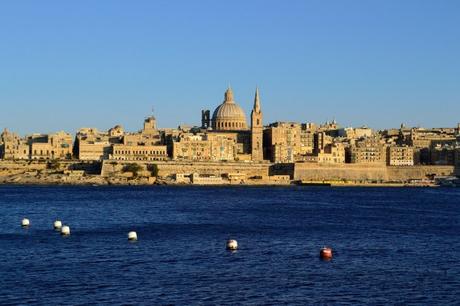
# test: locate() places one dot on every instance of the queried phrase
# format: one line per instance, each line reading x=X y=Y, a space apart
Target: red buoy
x=325 y=253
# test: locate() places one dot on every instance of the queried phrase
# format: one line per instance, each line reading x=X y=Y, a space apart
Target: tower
x=205 y=119
x=257 y=128
x=150 y=124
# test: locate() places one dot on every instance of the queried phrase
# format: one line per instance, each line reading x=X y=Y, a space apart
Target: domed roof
x=229 y=110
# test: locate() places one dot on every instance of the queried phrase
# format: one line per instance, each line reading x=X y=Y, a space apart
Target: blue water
x=390 y=245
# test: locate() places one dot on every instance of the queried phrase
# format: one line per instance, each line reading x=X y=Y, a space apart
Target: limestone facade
x=355 y=133
x=283 y=141
x=53 y=146
x=333 y=153
x=368 y=151
x=36 y=146
x=205 y=147
x=91 y=144
x=139 y=152
x=12 y=146
x=400 y=155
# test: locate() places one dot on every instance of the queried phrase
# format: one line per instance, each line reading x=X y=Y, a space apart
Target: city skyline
x=379 y=64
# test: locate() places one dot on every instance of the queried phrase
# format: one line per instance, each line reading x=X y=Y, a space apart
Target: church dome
x=229 y=115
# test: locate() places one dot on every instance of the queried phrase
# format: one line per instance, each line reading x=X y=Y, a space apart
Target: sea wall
x=113 y=172
x=360 y=172
x=401 y=173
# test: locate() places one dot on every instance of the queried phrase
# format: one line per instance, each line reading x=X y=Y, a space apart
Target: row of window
x=151 y=152
x=138 y=158
x=230 y=125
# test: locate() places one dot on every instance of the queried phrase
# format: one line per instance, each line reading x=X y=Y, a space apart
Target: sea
x=390 y=246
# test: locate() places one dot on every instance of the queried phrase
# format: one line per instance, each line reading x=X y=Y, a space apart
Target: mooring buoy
x=65 y=230
x=132 y=236
x=232 y=245
x=25 y=222
x=326 y=253
x=57 y=224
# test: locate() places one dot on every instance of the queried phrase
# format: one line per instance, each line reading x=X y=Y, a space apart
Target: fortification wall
x=401 y=173
x=349 y=172
x=170 y=168
x=359 y=172
x=22 y=165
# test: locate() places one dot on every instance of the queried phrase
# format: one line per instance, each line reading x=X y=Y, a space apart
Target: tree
x=133 y=168
x=53 y=164
x=153 y=168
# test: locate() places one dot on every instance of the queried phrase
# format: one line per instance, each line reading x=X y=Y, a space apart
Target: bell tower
x=257 y=149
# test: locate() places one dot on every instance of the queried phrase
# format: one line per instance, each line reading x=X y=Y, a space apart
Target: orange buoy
x=325 y=253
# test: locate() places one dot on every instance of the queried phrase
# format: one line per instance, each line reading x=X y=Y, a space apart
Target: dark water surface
x=392 y=246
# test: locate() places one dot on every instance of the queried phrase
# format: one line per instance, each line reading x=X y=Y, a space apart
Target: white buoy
x=25 y=222
x=232 y=245
x=65 y=230
x=57 y=225
x=132 y=236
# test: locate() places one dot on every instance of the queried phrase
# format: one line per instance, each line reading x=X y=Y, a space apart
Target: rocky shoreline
x=184 y=174
x=98 y=180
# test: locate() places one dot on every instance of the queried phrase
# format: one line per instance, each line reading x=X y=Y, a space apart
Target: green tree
x=133 y=168
x=153 y=168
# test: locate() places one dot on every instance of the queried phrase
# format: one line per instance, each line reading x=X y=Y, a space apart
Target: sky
x=71 y=64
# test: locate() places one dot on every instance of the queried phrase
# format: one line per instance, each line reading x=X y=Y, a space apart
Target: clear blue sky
x=69 y=64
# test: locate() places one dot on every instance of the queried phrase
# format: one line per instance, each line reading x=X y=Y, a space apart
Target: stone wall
x=20 y=166
x=400 y=173
x=349 y=172
x=170 y=168
x=358 y=172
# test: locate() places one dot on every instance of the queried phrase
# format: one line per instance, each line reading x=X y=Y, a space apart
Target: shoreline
x=101 y=183
x=116 y=173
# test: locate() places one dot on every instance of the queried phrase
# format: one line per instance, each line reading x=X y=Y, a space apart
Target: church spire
x=257 y=130
x=257 y=101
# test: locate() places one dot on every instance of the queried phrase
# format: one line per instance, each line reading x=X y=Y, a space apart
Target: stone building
x=355 y=133
x=205 y=147
x=400 y=155
x=321 y=141
x=425 y=141
x=228 y=122
x=91 y=144
x=144 y=145
x=191 y=147
x=283 y=141
x=307 y=138
x=52 y=146
x=288 y=142
x=12 y=146
x=229 y=116
x=139 y=152
x=443 y=154
x=332 y=153
x=367 y=151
